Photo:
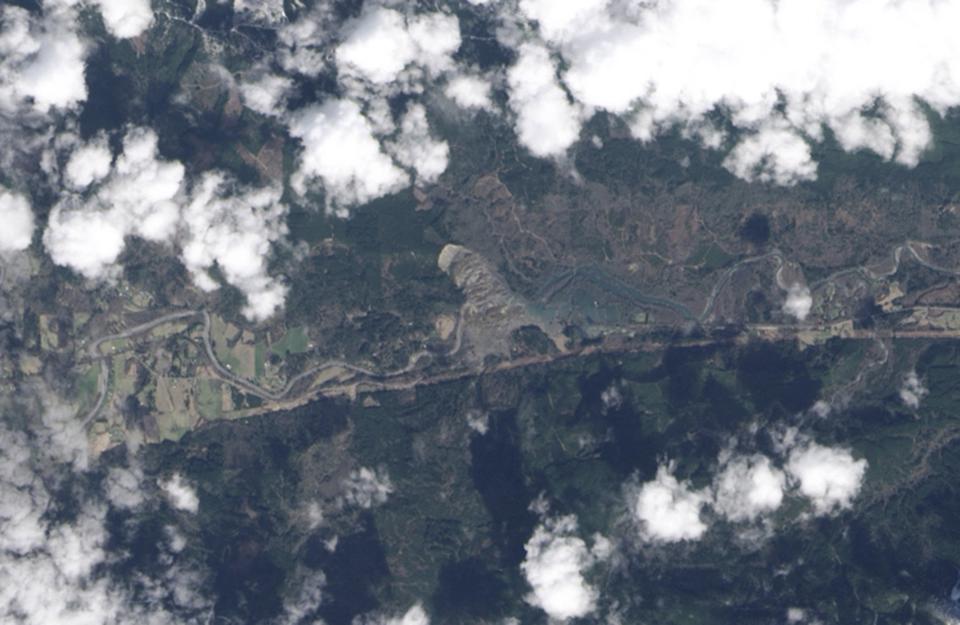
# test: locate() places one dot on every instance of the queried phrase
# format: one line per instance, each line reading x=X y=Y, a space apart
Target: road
x=412 y=374
x=94 y=352
x=223 y=372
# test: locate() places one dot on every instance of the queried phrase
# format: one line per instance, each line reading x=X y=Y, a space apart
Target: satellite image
x=479 y=312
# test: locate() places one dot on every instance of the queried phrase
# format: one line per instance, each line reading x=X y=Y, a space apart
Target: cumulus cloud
x=554 y=567
x=55 y=566
x=264 y=11
x=669 y=510
x=478 y=421
x=216 y=223
x=302 y=45
x=62 y=433
x=306 y=600
x=88 y=164
x=821 y=408
x=180 y=493
x=41 y=61
x=340 y=149
x=416 y=149
x=17 y=219
x=470 y=92
x=829 y=476
x=748 y=487
x=124 y=487
x=88 y=243
x=234 y=232
x=611 y=397
x=266 y=94
x=773 y=153
x=547 y=123
x=799 y=302
x=358 y=156
x=416 y=615
x=557 y=21
x=353 y=147
x=126 y=18
x=366 y=488
x=782 y=72
x=382 y=46
x=912 y=390
x=87 y=234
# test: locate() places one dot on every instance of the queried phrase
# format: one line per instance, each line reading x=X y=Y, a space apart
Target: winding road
x=223 y=372
x=383 y=380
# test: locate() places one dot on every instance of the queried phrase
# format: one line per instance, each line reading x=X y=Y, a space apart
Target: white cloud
x=478 y=421
x=124 y=486
x=748 y=487
x=547 y=123
x=341 y=151
x=17 y=219
x=139 y=198
x=554 y=565
x=377 y=46
x=41 y=61
x=126 y=18
x=358 y=156
x=87 y=242
x=62 y=434
x=267 y=94
x=828 y=476
x=611 y=397
x=821 y=408
x=557 y=21
x=176 y=541
x=438 y=37
x=89 y=163
x=314 y=515
x=302 y=44
x=912 y=390
x=470 y=92
x=307 y=599
x=144 y=188
x=857 y=132
x=774 y=153
x=784 y=71
x=416 y=149
x=669 y=510
x=234 y=231
x=602 y=548
x=216 y=223
x=383 y=43
x=267 y=11
x=383 y=50
x=366 y=488
x=416 y=615
x=799 y=302
x=57 y=570
x=352 y=145
x=180 y=493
